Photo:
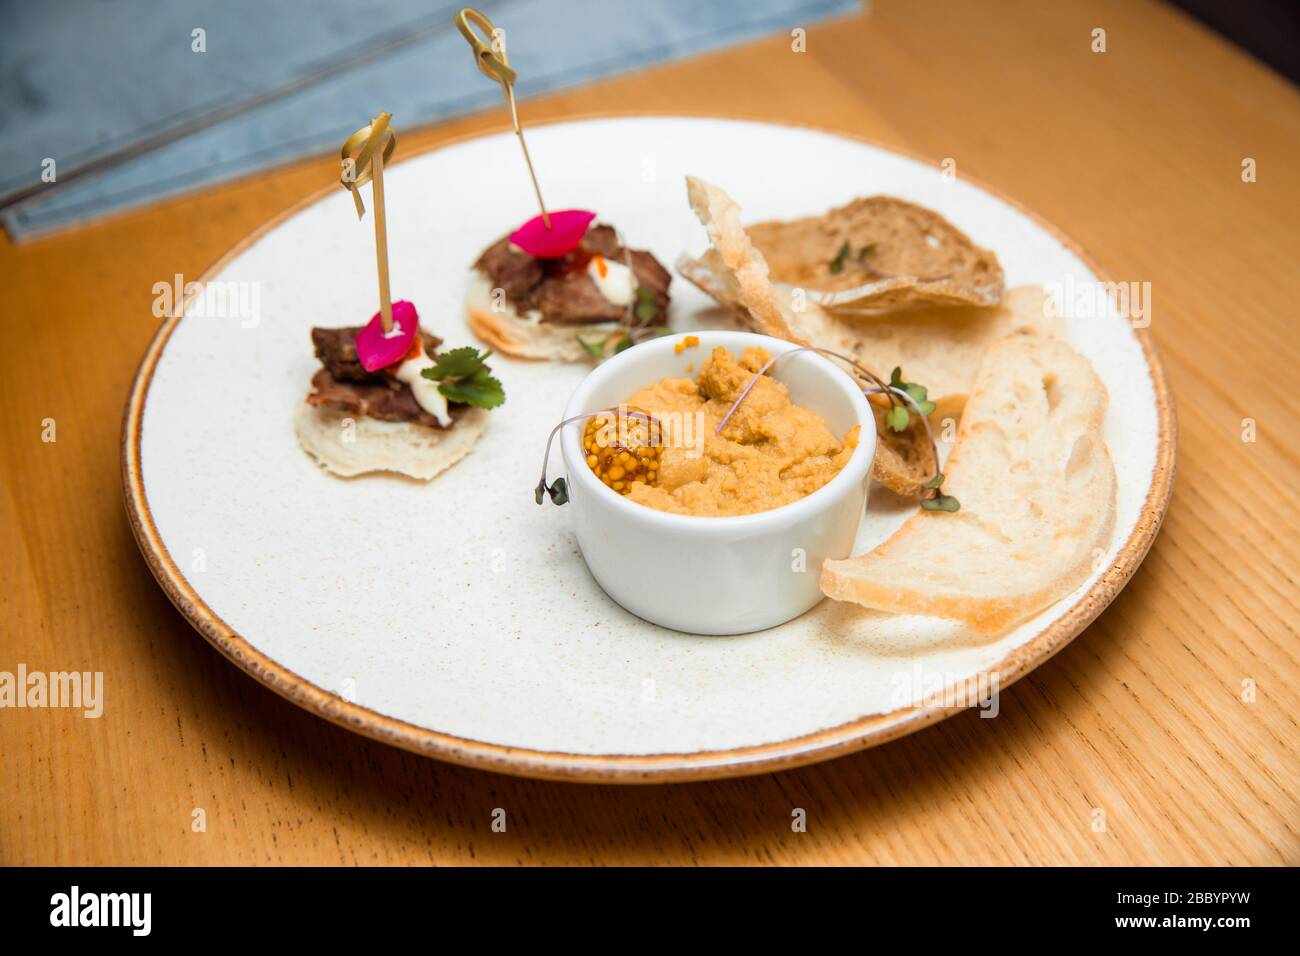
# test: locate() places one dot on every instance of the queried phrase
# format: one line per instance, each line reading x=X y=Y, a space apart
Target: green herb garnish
x=463 y=377
x=647 y=308
x=899 y=416
x=595 y=349
x=837 y=264
x=940 y=502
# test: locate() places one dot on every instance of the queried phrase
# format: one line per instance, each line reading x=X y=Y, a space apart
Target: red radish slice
x=568 y=226
x=377 y=350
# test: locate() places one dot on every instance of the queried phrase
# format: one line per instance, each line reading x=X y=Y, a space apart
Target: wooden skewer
x=519 y=131
x=371 y=144
x=381 y=239
x=496 y=66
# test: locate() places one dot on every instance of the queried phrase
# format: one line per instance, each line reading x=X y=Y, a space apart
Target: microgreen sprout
x=558 y=490
x=899 y=393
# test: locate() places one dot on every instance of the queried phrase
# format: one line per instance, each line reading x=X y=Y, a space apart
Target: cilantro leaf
x=480 y=390
x=463 y=378
x=457 y=363
x=623 y=344
x=934 y=483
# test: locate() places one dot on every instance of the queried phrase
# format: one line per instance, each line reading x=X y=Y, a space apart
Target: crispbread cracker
x=368 y=444
x=745 y=270
x=897 y=254
x=1037 y=492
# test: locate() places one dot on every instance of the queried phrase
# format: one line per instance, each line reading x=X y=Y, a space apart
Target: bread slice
x=1037 y=492
x=940 y=348
x=502 y=327
x=369 y=445
x=886 y=252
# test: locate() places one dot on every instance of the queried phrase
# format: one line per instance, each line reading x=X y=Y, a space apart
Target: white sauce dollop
x=617 y=285
x=425 y=391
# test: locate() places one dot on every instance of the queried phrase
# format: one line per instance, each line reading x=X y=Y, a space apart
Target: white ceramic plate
x=457 y=618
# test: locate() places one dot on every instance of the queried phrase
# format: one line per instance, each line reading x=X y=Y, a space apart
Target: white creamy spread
x=617 y=284
x=425 y=391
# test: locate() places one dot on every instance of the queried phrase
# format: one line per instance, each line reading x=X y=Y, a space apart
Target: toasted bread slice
x=1037 y=492
x=879 y=252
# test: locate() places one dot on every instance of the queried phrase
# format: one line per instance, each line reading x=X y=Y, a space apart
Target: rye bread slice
x=879 y=253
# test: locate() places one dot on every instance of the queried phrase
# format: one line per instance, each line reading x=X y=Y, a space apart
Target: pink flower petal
x=377 y=350
x=568 y=226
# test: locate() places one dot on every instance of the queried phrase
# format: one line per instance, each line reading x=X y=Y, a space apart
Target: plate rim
x=827 y=743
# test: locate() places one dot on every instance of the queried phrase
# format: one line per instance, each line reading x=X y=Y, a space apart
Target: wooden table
x=1136 y=152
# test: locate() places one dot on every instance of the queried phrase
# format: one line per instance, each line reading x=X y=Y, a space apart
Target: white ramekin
x=717 y=575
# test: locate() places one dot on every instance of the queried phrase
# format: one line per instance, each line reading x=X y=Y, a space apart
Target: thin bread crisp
x=743 y=271
x=1037 y=492
x=879 y=252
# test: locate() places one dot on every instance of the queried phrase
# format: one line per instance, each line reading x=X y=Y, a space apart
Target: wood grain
x=1136 y=153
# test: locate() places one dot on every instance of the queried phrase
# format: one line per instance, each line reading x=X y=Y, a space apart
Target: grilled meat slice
x=561 y=290
x=345 y=386
x=337 y=351
x=388 y=401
